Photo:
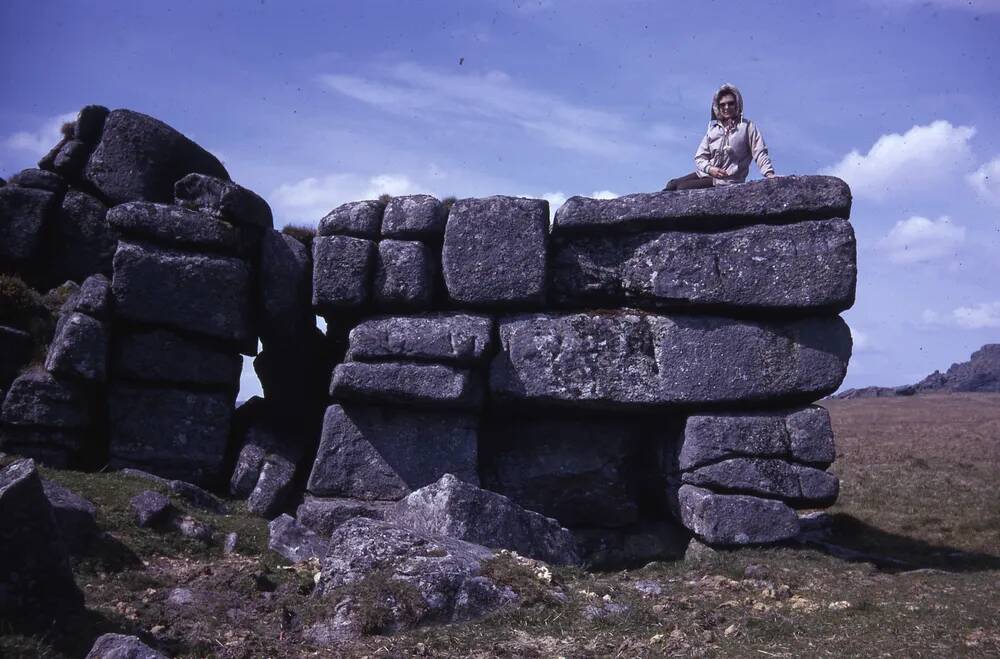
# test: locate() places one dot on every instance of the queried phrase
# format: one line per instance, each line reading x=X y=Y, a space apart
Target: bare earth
x=919 y=512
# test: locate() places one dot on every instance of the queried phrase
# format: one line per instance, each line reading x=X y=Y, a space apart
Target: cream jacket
x=731 y=148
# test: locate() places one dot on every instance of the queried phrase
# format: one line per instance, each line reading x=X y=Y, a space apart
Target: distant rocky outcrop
x=980 y=374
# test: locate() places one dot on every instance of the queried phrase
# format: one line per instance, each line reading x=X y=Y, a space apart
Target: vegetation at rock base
x=24 y=308
x=919 y=504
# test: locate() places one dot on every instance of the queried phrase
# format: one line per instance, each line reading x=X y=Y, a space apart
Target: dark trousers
x=689 y=182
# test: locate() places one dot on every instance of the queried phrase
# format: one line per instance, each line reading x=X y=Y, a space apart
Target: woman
x=724 y=155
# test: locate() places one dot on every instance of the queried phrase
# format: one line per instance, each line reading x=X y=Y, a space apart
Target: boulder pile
x=637 y=370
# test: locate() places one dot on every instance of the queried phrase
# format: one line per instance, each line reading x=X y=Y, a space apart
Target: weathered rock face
x=382 y=453
x=442 y=575
x=80 y=349
x=200 y=293
x=798 y=484
x=804 y=268
x=342 y=268
x=410 y=385
x=37 y=399
x=413 y=217
x=324 y=515
x=361 y=219
x=284 y=293
x=404 y=275
x=36 y=582
x=75 y=517
x=447 y=338
x=174 y=433
x=494 y=252
x=23 y=213
x=39 y=179
x=779 y=200
x=119 y=646
x=140 y=158
x=455 y=509
x=80 y=242
x=735 y=519
x=174 y=226
x=294 y=541
x=224 y=200
x=802 y=435
x=633 y=359
x=93 y=298
x=165 y=357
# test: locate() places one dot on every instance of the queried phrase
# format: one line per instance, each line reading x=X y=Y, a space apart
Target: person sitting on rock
x=731 y=141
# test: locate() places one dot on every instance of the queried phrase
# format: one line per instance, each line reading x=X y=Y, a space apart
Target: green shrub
x=24 y=308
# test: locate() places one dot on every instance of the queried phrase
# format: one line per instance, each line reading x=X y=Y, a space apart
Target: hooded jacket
x=731 y=148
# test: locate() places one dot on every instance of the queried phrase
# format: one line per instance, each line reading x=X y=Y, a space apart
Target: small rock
x=189 y=527
x=119 y=646
x=198 y=497
x=647 y=587
x=294 y=541
x=229 y=544
x=150 y=508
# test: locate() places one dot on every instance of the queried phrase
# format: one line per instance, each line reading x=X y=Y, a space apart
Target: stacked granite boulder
x=646 y=358
x=54 y=414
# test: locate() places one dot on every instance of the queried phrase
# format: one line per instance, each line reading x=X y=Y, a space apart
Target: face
x=727 y=106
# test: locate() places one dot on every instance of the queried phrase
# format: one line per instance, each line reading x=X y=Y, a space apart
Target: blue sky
x=315 y=103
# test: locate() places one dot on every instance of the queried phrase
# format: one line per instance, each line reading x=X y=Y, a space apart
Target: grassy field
x=919 y=507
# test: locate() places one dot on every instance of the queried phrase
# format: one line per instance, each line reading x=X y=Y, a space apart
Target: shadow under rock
x=854 y=540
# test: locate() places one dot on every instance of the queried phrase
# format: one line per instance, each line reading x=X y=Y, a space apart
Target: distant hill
x=981 y=373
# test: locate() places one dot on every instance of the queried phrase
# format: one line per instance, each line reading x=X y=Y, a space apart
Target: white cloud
x=494 y=97
x=986 y=181
x=862 y=341
x=921 y=158
x=40 y=141
x=311 y=198
x=979 y=316
x=604 y=194
x=920 y=239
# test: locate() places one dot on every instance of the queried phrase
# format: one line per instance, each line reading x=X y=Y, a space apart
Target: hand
x=769 y=175
x=716 y=172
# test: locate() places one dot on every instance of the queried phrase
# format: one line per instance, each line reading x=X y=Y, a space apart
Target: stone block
x=413 y=217
x=798 y=485
x=162 y=356
x=779 y=200
x=805 y=267
x=342 y=272
x=140 y=158
x=76 y=518
x=51 y=447
x=735 y=519
x=627 y=359
x=93 y=298
x=323 y=515
x=39 y=179
x=404 y=275
x=273 y=487
x=79 y=241
x=90 y=123
x=23 y=214
x=407 y=384
x=36 y=581
x=802 y=435
x=450 y=507
x=174 y=226
x=223 y=199
x=494 y=252
x=294 y=541
x=71 y=159
x=452 y=338
x=284 y=290
x=120 y=646
x=36 y=398
x=169 y=432
x=79 y=350
x=383 y=453
x=201 y=293
x=361 y=219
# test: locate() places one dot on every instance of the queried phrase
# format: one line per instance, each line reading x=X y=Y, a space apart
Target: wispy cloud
x=309 y=199
x=425 y=94
x=985 y=315
x=986 y=181
x=921 y=158
x=39 y=141
x=917 y=239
